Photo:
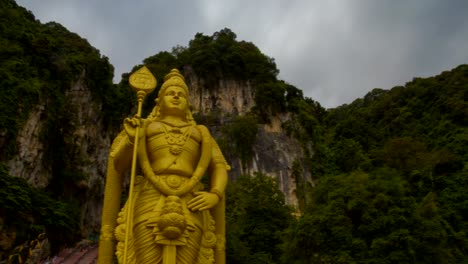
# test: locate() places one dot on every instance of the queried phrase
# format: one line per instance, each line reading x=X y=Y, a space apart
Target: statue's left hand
x=203 y=201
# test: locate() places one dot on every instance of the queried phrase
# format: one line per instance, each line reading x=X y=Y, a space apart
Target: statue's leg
x=188 y=254
x=146 y=250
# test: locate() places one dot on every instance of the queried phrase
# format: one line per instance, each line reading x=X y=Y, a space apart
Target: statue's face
x=174 y=100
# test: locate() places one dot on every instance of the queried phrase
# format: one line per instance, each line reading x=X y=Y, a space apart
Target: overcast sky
x=335 y=51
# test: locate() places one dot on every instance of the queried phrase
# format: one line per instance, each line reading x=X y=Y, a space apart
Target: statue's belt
x=173 y=181
x=169 y=184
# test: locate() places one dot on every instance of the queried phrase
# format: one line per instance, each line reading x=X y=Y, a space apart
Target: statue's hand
x=130 y=124
x=203 y=201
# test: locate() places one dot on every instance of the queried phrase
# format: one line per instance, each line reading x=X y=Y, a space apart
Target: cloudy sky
x=334 y=50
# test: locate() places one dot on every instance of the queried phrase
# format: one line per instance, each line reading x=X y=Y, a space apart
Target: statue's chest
x=173 y=149
x=165 y=134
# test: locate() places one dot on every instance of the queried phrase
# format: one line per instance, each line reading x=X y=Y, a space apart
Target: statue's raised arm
x=171 y=218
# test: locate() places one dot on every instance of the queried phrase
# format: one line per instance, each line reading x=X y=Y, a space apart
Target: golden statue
x=171 y=219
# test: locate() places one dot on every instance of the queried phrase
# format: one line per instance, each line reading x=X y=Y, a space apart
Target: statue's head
x=173 y=78
x=174 y=85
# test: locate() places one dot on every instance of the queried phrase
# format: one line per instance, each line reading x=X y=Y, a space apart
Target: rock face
x=274 y=155
x=88 y=141
x=274 y=152
x=92 y=144
x=29 y=162
x=226 y=97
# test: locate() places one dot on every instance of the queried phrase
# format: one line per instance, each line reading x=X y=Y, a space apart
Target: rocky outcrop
x=29 y=161
x=91 y=143
x=85 y=137
x=227 y=97
x=274 y=151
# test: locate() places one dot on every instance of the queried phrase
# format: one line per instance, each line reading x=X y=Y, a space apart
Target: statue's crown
x=174 y=78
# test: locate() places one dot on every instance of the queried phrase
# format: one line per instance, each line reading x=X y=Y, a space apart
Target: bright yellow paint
x=172 y=219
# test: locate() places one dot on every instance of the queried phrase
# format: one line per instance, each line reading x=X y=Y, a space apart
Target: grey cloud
x=334 y=50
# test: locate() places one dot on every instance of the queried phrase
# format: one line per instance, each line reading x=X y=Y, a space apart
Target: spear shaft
x=129 y=225
x=143 y=82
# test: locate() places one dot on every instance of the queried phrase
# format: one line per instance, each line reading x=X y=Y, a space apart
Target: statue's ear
x=188 y=115
x=155 y=113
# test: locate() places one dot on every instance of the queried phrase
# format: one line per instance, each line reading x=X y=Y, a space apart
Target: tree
x=242 y=132
x=256 y=215
x=370 y=218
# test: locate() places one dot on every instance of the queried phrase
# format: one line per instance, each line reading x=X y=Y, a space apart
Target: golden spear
x=143 y=83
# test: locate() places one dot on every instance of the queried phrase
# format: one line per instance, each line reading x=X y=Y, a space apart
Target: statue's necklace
x=176 y=139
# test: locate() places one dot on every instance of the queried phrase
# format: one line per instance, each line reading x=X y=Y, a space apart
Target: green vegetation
x=242 y=133
x=392 y=178
x=40 y=62
x=30 y=212
x=256 y=214
x=221 y=56
x=372 y=218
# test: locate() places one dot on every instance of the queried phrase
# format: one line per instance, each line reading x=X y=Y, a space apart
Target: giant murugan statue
x=168 y=217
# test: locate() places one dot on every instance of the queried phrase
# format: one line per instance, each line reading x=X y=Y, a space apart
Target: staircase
x=77 y=255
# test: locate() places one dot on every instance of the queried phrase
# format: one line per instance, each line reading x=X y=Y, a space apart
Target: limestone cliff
x=87 y=140
x=274 y=151
x=92 y=143
x=28 y=163
x=231 y=97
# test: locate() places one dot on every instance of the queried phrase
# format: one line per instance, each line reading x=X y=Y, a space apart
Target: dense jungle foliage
x=391 y=168
x=39 y=62
x=392 y=172
x=392 y=176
